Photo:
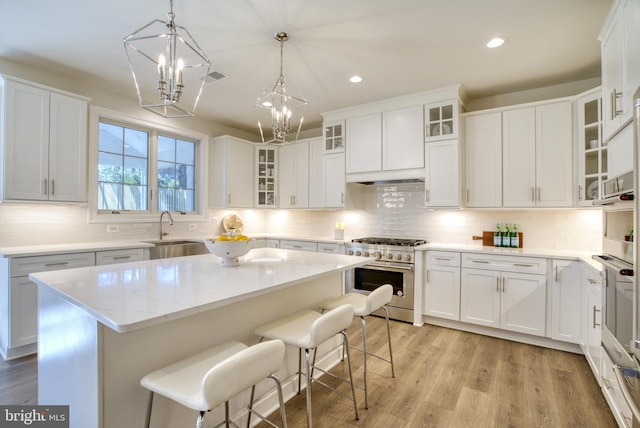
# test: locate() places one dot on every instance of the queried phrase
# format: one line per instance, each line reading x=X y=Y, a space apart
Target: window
x=142 y=169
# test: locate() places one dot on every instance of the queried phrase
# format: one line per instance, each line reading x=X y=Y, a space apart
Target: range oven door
x=365 y=279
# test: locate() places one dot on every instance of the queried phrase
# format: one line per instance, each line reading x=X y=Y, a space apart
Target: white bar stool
x=212 y=377
x=306 y=330
x=363 y=306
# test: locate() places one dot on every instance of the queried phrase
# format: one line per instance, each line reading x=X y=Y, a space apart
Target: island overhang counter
x=101 y=329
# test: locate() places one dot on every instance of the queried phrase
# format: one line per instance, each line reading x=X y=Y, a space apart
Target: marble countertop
x=131 y=296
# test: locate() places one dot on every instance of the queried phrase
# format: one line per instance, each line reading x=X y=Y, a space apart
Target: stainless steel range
x=394 y=265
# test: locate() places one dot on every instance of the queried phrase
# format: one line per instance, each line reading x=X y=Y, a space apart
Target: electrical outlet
x=215 y=220
x=112 y=228
x=193 y=226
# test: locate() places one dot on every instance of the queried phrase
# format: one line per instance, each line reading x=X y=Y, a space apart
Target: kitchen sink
x=168 y=249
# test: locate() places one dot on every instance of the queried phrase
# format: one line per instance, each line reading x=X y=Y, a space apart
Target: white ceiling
x=399 y=47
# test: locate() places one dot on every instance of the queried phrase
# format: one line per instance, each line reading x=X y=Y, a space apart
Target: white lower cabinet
x=19 y=298
x=500 y=292
x=441 y=297
x=591 y=331
x=566 y=286
x=298 y=245
x=330 y=247
x=110 y=257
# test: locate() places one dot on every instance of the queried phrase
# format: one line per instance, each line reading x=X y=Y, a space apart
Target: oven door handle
x=625 y=387
x=388 y=266
x=619 y=269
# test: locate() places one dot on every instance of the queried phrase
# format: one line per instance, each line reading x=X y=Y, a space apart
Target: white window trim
x=95 y=114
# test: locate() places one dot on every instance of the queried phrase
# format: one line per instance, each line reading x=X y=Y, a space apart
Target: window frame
x=152 y=213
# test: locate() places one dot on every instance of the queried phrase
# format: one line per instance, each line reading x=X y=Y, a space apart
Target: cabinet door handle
x=53 y=187
x=594 y=317
x=426 y=195
x=427 y=275
x=533 y=194
x=615 y=95
x=229 y=198
x=121 y=257
x=56 y=264
x=443 y=258
x=523 y=264
x=580 y=193
x=46 y=186
x=503 y=281
x=342 y=197
x=497 y=284
x=556 y=274
x=467 y=195
x=479 y=261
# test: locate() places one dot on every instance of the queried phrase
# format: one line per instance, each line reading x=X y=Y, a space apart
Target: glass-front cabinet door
x=441 y=121
x=592 y=154
x=266 y=176
x=333 y=137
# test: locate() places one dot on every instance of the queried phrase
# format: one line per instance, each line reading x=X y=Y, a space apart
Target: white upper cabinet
x=231 y=171
x=266 y=177
x=333 y=136
x=294 y=175
x=592 y=154
x=483 y=154
x=620 y=63
x=364 y=148
x=441 y=185
x=519 y=157
x=334 y=189
x=44 y=143
x=441 y=121
x=537 y=156
x=402 y=139
x=316 y=181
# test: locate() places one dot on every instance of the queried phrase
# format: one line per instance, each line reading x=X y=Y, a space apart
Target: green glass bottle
x=515 y=237
x=497 y=236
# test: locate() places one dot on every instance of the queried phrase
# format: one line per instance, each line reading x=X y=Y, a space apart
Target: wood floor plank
x=444 y=378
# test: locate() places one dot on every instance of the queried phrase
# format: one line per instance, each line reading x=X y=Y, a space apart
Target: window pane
x=110 y=138
x=136 y=143
x=166 y=174
x=109 y=168
x=185 y=152
x=185 y=176
x=166 y=149
x=135 y=171
x=122 y=168
x=134 y=198
x=109 y=196
x=165 y=199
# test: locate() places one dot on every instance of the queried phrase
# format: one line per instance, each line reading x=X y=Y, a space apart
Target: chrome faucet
x=162 y=233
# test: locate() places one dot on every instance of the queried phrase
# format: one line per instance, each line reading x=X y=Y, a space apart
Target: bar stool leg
x=386 y=315
x=364 y=350
x=200 y=420
x=353 y=389
x=280 y=400
x=308 y=377
x=147 y=419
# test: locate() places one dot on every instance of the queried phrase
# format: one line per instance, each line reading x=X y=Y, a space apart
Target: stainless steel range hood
x=388 y=178
x=391 y=182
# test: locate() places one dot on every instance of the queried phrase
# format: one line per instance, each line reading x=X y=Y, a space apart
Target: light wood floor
x=444 y=378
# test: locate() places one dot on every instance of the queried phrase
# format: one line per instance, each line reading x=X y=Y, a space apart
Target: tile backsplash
x=396 y=211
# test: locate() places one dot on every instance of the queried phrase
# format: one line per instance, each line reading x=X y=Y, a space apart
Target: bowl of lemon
x=229 y=248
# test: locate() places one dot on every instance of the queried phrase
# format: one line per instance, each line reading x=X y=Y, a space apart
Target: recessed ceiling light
x=355 y=79
x=495 y=42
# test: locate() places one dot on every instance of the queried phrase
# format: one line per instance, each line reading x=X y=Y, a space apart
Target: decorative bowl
x=229 y=251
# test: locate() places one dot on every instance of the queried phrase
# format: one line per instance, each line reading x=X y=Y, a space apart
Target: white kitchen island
x=101 y=329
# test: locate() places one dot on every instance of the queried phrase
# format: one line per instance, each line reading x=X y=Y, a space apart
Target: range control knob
x=351 y=252
x=377 y=255
x=366 y=254
x=399 y=257
x=358 y=253
x=390 y=256
x=407 y=257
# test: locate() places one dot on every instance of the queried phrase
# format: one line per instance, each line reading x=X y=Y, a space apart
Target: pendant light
x=168 y=67
x=283 y=103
